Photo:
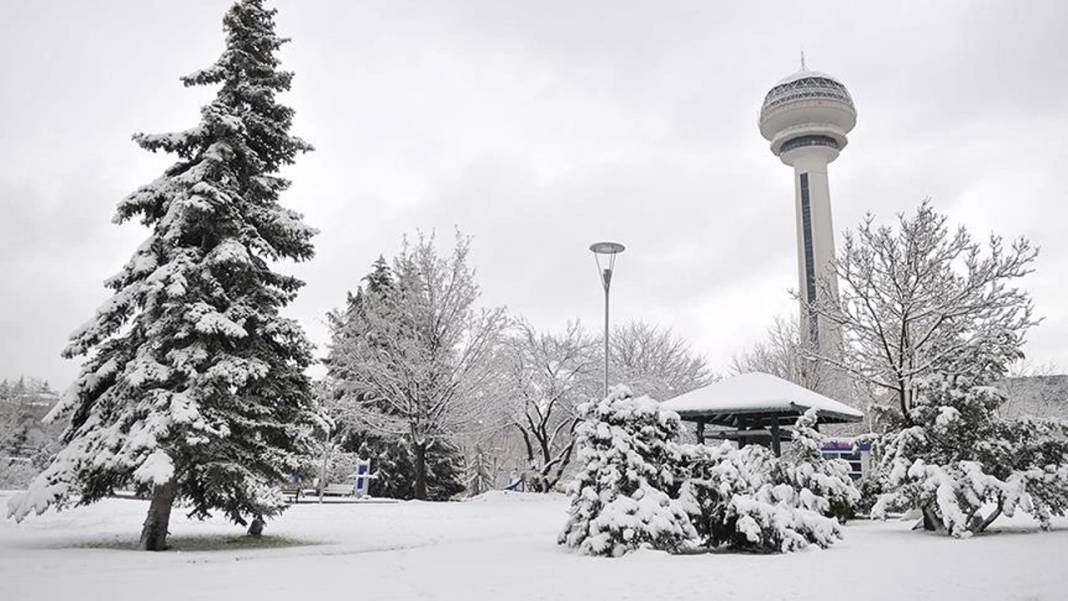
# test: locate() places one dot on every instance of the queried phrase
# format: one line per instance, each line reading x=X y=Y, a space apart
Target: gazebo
x=754 y=408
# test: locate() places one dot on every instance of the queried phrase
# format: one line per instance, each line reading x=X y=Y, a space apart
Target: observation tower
x=806 y=116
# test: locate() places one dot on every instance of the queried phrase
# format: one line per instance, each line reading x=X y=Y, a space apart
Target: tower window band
x=810 y=259
x=813 y=140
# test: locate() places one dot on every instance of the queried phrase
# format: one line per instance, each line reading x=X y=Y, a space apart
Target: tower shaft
x=815 y=241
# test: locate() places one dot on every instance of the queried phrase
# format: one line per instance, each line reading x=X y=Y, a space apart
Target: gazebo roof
x=754 y=395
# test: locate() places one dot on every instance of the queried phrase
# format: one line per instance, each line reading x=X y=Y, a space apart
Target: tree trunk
x=931 y=521
x=154 y=531
x=419 y=450
x=562 y=466
x=990 y=519
x=903 y=403
x=255 y=529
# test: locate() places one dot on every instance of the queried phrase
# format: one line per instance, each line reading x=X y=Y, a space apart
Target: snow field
x=502 y=546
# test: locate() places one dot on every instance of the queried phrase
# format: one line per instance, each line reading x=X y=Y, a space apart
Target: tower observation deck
x=807 y=117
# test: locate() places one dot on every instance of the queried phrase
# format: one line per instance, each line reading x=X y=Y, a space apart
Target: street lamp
x=605 y=254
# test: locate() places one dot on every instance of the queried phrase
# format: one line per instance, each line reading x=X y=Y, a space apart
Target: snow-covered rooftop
x=758 y=393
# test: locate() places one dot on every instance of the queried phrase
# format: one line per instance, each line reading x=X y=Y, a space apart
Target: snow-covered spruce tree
x=959 y=456
x=750 y=500
x=822 y=484
x=621 y=499
x=392 y=463
x=193 y=390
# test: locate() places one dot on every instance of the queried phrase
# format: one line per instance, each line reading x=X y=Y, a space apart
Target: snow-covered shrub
x=748 y=499
x=959 y=456
x=871 y=488
x=833 y=491
x=622 y=496
x=639 y=488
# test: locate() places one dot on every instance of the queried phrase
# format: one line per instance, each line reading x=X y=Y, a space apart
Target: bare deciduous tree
x=785 y=353
x=653 y=360
x=1036 y=390
x=548 y=375
x=917 y=300
x=425 y=366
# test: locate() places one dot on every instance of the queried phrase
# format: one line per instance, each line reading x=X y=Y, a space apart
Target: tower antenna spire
x=803 y=67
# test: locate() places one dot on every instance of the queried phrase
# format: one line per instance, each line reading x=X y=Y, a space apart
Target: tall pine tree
x=193 y=389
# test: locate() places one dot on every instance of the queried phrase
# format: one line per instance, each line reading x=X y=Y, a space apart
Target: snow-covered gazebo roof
x=755 y=397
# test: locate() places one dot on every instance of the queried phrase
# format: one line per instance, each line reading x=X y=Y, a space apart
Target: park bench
x=293 y=491
x=339 y=490
x=357 y=488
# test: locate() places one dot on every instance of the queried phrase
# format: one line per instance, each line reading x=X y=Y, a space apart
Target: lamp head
x=607 y=248
x=605 y=254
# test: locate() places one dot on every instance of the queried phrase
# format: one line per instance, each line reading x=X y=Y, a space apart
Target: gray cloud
x=539 y=128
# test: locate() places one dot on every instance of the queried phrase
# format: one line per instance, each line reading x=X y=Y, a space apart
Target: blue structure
x=858 y=455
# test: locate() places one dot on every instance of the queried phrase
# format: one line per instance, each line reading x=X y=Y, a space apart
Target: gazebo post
x=775 y=434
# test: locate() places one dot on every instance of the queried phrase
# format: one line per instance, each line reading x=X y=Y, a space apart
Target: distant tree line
x=26 y=443
x=446 y=396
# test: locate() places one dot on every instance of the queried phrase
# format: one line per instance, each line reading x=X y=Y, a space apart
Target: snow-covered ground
x=501 y=546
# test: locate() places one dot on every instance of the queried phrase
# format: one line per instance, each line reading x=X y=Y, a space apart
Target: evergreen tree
x=622 y=498
x=394 y=471
x=830 y=489
x=751 y=500
x=351 y=322
x=480 y=476
x=444 y=471
x=959 y=456
x=419 y=363
x=193 y=389
x=639 y=488
x=380 y=280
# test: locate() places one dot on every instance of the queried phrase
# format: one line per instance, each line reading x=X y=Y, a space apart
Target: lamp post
x=605 y=254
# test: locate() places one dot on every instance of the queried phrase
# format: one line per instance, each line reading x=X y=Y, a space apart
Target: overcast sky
x=538 y=128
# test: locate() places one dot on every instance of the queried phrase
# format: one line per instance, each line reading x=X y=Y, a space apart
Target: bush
x=871 y=488
x=638 y=488
x=621 y=496
x=748 y=499
x=958 y=456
